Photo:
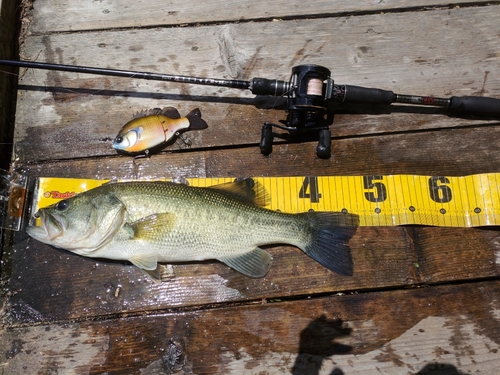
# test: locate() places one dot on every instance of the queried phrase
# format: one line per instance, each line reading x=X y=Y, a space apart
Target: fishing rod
x=309 y=93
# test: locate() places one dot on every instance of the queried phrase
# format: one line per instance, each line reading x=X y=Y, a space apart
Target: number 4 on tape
x=466 y=201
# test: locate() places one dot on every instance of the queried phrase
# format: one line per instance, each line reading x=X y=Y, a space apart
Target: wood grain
x=68 y=286
x=451 y=327
x=451 y=152
x=385 y=257
x=76 y=16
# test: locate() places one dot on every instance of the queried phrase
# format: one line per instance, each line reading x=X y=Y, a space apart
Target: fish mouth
x=53 y=226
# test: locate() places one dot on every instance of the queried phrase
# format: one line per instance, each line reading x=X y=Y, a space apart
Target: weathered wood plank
x=67 y=286
x=454 y=152
x=371 y=50
x=75 y=15
x=452 y=327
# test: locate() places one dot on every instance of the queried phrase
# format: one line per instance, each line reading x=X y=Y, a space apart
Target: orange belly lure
x=151 y=129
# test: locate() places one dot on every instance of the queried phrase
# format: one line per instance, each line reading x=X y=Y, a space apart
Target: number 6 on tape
x=400 y=199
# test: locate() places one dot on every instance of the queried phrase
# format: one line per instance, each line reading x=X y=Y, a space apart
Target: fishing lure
x=152 y=129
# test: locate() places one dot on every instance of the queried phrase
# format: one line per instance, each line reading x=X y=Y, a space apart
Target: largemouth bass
x=150 y=222
x=153 y=128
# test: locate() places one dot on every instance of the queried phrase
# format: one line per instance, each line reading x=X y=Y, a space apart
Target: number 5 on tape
x=394 y=200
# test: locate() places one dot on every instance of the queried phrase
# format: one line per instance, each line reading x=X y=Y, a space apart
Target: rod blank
x=260 y=86
x=129 y=74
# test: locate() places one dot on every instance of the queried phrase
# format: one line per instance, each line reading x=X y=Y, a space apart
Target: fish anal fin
x=246 y=190
x=255 y=263
x=153 y=227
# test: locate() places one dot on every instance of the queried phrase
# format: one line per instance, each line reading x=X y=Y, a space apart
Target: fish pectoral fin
x=255 y=263
x=153 y=227
x=147 y=262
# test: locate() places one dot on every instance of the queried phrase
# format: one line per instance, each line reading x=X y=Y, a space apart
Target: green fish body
x=151 y=222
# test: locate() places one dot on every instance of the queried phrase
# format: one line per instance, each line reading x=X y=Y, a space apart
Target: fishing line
x=10 y=73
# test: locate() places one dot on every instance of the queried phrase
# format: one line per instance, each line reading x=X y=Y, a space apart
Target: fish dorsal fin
x=146 y=112
x=247 y=190
x=167 y=111
x=170 y=112
x=255 y=263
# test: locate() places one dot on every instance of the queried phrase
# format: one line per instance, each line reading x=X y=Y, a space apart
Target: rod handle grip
x=357 y=94
x=475 y=104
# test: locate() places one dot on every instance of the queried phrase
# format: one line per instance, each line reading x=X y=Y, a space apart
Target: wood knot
x=174 y=358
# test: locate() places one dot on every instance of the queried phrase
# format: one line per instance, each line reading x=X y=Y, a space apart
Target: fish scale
x=261 y=226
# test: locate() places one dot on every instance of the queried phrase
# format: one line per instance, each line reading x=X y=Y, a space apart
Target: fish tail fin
x=195 y=120
x=329 y=240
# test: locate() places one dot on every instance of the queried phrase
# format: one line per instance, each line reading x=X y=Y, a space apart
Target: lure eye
x=62 y=205
x=122 y=142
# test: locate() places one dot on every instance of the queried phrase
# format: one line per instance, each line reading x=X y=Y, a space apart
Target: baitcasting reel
x=308 y=93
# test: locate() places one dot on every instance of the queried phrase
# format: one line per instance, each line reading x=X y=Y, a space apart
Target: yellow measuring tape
x=466 y=201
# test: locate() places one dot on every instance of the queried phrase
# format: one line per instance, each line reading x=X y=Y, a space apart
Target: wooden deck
x=423 y=300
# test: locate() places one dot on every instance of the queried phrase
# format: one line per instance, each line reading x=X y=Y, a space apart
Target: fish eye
x=62 y=205
x=119 y=139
